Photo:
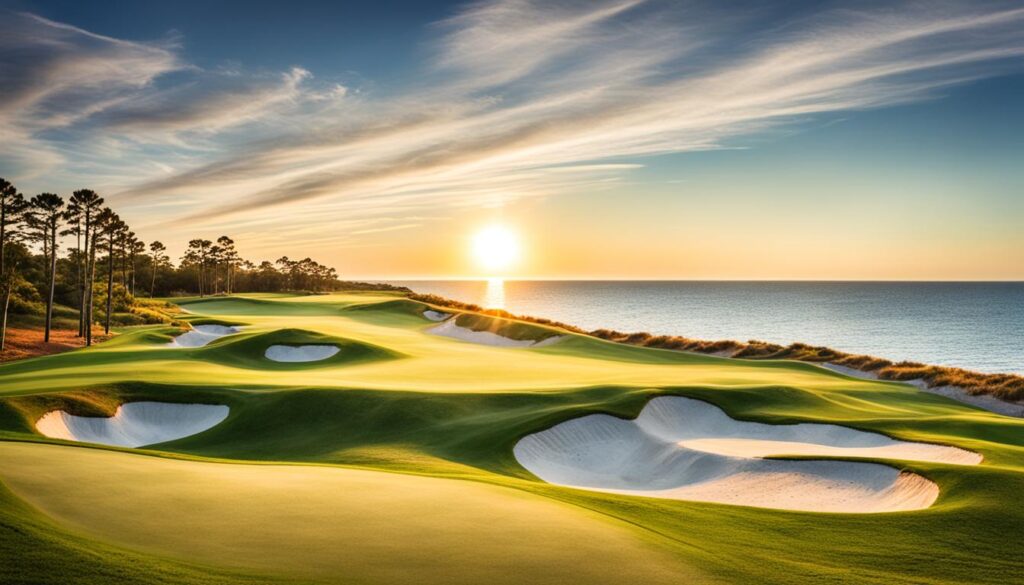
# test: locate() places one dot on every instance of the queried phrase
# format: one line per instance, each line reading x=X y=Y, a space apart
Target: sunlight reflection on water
x=494 y=295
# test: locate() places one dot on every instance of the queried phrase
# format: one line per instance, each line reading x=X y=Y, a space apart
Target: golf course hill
x=378 y=437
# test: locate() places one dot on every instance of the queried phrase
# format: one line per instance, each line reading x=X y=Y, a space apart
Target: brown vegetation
x=25 y=343
x=1005 y=386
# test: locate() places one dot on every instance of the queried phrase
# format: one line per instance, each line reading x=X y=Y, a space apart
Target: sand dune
x=450 y=329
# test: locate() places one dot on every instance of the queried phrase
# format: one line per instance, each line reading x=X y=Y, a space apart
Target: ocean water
x=979 y=326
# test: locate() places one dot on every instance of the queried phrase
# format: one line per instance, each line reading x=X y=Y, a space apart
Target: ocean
x=973 y=325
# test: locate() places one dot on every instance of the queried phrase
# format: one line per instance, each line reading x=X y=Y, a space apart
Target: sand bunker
x=134 y=424
x=201 y=335
x=450 y=329
x=686 y=449
x=300 y=353
x=435 y=315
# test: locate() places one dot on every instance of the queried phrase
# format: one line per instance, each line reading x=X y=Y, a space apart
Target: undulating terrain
x=369 y=438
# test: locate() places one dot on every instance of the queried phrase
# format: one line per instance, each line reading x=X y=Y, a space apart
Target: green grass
x=392 y=462
x=246 y=349
x=517 y=330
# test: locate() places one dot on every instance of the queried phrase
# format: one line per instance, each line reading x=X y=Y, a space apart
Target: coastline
x=999 y=393
x=983 y=401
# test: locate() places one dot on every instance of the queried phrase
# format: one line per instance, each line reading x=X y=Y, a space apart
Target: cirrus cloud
x=517 y=98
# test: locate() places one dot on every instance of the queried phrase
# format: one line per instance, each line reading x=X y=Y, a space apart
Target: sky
x=618 y=139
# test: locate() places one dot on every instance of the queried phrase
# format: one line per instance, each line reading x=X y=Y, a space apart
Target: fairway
x=390 y=458
x=366 y=526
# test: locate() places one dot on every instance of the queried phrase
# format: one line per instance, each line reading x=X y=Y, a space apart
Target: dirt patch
x=25 y=343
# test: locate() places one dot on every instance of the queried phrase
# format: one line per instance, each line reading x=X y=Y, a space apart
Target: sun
x=496 y=248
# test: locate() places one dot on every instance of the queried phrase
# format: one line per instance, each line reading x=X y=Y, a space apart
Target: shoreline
x=999 y=393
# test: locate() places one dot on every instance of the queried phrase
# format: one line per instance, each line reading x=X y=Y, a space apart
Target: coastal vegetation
x=1009 y=387
x=393 y=461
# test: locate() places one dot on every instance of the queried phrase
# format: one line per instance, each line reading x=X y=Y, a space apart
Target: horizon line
x=626 y=279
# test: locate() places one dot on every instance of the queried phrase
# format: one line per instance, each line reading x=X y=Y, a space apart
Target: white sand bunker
x=686 y=449
x=201 y=335
x=300 y=353
x=435 y=315
x=134 y=424
x=451 y=329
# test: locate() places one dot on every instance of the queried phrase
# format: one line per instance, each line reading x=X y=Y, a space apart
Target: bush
x=126 y=320
x=122 y=300
x=149 y=316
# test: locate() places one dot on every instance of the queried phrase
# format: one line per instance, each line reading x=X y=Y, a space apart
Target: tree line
x=104 y=266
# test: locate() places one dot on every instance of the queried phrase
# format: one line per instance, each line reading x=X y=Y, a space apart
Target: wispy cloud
x=64 y=86
x=518 y=99
x=209 y=103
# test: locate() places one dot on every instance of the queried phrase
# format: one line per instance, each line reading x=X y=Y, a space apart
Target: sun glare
x=496 y=248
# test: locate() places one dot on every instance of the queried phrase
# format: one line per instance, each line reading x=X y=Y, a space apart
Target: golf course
x=368 y=438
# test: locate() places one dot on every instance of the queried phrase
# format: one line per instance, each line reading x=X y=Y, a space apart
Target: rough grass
x=1005 y=386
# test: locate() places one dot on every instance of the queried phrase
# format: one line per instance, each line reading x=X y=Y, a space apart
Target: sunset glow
x=678 y=149
x=511 y=292
x=496 y=248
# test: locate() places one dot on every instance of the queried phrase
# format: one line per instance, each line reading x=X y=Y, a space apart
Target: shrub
x=149 y=316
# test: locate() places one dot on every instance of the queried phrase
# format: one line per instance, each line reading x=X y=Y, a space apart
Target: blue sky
x=837 y=139
x=326 y=37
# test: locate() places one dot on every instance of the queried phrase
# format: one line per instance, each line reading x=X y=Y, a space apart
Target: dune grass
x=1008 y=387
x=430 y=424
x=1005 y=386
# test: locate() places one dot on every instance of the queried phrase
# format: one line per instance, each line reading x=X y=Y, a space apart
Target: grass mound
x=512 y=329
x=396 y=306
x=248 y=350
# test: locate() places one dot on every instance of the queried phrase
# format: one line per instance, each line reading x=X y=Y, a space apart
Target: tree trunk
x=3 y=318
x=83 y=313
x=3 y=238
x=91 y=278
x=79 y=277
x=53 y=280
x=152 y=282
x=110 y=287
x=3 y=275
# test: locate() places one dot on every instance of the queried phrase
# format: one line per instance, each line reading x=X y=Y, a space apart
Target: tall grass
x=1005 y=386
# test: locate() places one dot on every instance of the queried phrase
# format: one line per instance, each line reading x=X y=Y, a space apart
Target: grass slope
x=396 y=465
